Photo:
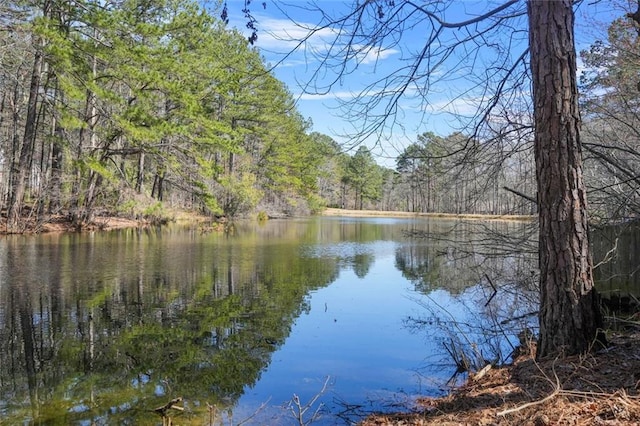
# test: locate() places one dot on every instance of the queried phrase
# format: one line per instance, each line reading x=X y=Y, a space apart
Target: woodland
x=138 y=109
x=134 y=109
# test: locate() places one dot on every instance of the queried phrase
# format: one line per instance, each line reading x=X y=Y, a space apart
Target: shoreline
x=453 y=216
x=592 y=389
x=60 y=223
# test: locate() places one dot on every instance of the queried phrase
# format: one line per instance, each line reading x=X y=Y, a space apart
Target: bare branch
x=449 y=52
x=525 y=196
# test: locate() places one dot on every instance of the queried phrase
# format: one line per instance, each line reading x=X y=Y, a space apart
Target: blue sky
x=442 y=104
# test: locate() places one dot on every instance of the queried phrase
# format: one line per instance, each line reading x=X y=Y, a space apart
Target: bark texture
x=570 y=315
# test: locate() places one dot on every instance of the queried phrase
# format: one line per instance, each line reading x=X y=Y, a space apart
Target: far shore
x=381 y=213
x=104 y=223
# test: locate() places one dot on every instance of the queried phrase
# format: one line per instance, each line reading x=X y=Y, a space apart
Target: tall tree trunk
x=15 y=140
x=21 y=171
x=56 y=149
x=55 y=184
x=158 y=185
x=140 y=174
x=95 y=181
x=569 y=309
x=87 y=137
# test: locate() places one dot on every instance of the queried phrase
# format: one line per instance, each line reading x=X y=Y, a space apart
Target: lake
x=344 y=315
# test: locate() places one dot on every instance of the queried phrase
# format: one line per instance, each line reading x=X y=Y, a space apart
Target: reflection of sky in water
x=355 y=330
x=355 y=333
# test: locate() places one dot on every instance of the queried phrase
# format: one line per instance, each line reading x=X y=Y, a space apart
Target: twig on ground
x=480 y=374
x=557 y=388
x=552 y=395
x=622 y=395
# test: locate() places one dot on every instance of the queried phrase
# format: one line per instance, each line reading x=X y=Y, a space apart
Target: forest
x=135 y=108
x=139 y=109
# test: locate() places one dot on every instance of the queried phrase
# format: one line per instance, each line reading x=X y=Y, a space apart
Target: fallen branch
x=556 y=391
x=621 y=394
x=601 y=395
x=480 y=374
x=521 y=194
x=553 y=394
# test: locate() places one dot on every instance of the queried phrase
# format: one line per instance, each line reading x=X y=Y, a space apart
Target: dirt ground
x=62 y=224
x=596 y=389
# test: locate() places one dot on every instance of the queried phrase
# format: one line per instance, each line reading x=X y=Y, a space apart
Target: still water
x=103 y=328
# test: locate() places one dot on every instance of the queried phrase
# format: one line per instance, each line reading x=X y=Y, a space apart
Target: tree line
x=129 y=107
x=494 y=171
x=124 y=106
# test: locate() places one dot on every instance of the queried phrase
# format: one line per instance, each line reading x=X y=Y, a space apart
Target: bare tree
x=609 y=103
x=451 y=51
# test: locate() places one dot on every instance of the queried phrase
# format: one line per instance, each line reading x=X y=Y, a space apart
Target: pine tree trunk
x=140 y=173
x=21 y=171
x=569 y=309
x=55 y=184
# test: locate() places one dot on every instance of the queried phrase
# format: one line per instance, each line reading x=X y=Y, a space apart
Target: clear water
x=102 y=328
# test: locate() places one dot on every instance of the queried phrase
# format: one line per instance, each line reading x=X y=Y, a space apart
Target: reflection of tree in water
x=457 y=255
x=362 y=264
x=617 y=266
x=489 y=269
x=419 y=264
x=115 y=342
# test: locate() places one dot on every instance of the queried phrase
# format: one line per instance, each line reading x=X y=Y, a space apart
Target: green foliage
x=162 y=98
x=156 y=213
x=316 y=203
x=239 y=194
x=99 y=167
x=365 y=176
x=127 y=207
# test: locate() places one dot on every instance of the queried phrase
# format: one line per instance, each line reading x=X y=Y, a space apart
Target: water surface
x=102 y=328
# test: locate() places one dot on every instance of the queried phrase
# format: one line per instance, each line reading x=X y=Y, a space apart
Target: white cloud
x=457 y=106
x=332 y=95
x=374 y=54
x=283 y=35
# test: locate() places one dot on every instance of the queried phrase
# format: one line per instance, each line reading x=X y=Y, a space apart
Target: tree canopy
x=130 y=105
